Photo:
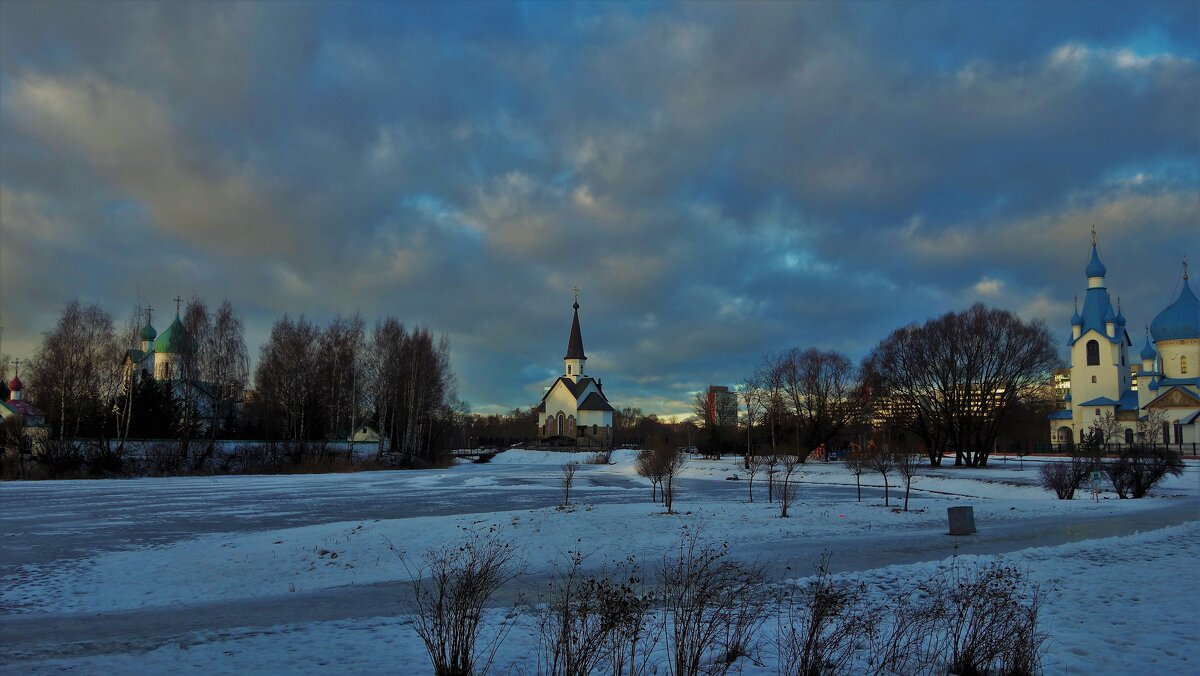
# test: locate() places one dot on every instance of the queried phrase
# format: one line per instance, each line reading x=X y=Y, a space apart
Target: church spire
x=575 y=342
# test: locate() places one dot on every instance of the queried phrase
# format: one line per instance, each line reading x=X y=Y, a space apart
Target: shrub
x=712 y=606
x=589 y=619
x=1136 y=471
x=821 y=623
x=1065 y=477
x=600 y=458
x=449 y=592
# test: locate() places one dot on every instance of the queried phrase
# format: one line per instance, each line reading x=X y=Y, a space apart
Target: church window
x=1097 y=412
x=1166 y=433
x=595 y=429
x=562 y=423
x=568 y=369
x=1128 y=436
x=1122 y=358
x=1093 y=379
x=1093 y=353
x=1178 y=433
x=1182 y=363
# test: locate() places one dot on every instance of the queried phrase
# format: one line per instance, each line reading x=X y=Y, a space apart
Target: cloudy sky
x=720 y=180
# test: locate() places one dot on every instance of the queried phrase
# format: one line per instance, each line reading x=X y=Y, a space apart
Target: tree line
x=313 y=384
x=959 y=384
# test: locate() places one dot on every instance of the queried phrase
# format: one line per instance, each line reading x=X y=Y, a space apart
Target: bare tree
x=649 y=466
x=1064 y=477
x=824 y=393
x=74 y=371
x=752 y=469
x=753 y=398
x=672 y=460
x=907 y=466
x=568 y=478
x=956 y=380
x=882 y=462
x=788 y=490
x=856 y=462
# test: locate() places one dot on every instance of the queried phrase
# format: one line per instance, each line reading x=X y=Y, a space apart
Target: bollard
x=962 y=520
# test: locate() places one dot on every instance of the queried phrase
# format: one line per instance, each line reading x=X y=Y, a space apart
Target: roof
x=15 y=383
x=575 y=342
x=1148 y=351
x=148 y=332
x=24 y=408
x=1180 y=319
x=1100 y=401
x=1190 y=419
x=1098 y=311
x=1191 y=393
x=1095 y=268
x=135 y=356
x=1059 y=415
x=595 y=402
x=175 y=340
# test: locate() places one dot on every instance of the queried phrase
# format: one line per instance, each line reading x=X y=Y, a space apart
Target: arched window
x=571 y=426
x=568 y=369
x=1128 y=436
x=1093 y=353
x=1183 y=363
x=1178 y=433
x=1093 y=379
x=562 y=423
x=1166 y=432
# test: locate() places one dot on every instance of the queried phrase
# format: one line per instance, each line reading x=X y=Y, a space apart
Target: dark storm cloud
x=721 y=180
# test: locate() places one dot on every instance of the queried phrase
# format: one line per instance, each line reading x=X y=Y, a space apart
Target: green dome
x=174 y=340
x=148 y=332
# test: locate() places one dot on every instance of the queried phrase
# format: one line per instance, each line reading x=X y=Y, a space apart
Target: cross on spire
x=178 y=300
x=1093 y=234
x=576 y=290
x=1185 y=272
x=149 y=314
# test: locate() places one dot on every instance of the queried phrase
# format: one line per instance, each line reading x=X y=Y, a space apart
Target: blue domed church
x=1163 y=384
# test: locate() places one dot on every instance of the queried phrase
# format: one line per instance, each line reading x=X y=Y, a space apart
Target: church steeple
x=573 y=361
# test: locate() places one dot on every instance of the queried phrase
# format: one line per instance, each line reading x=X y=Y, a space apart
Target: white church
x=574 y=411
x=1103 y=380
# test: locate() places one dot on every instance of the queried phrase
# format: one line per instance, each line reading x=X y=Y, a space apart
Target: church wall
x=1172 y=352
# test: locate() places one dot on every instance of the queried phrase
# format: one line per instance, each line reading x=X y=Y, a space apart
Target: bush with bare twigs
x=1064 y=477
x=788 y=490
x=600 y=457
x=712 y=607
x=661 y=466
x=821 y=623
x=590 y=619
x=450 y=590
x=1135 y=471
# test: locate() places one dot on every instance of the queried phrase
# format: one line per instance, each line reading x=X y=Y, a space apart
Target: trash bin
x=962 y=520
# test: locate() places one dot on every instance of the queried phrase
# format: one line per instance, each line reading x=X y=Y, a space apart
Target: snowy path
x=96 y=569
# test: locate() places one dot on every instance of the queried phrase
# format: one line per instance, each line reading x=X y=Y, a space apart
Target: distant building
x=574 y=410
x=33 y=435
x=1104 y=381
x=721 y=405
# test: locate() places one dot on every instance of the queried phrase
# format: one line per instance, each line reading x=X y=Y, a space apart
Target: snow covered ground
x=301 y=573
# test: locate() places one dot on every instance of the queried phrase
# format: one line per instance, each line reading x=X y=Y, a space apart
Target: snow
x=237 y=574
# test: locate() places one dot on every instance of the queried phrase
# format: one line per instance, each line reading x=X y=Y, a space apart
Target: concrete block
x=962 y=520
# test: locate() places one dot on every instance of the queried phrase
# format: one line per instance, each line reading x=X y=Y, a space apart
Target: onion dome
x=1068 y=397
x=148 y=332
x=174 y=340
x=1095 y=268
x=1148 y=353
x=1180 y=319
x=1120 y=315
x=1076 y=320
x=15 y=385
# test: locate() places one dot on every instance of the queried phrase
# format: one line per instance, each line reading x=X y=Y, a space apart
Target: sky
x=720 y=180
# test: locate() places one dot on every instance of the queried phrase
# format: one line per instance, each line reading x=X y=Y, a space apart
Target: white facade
x=574 y=410
x=1102 y=377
